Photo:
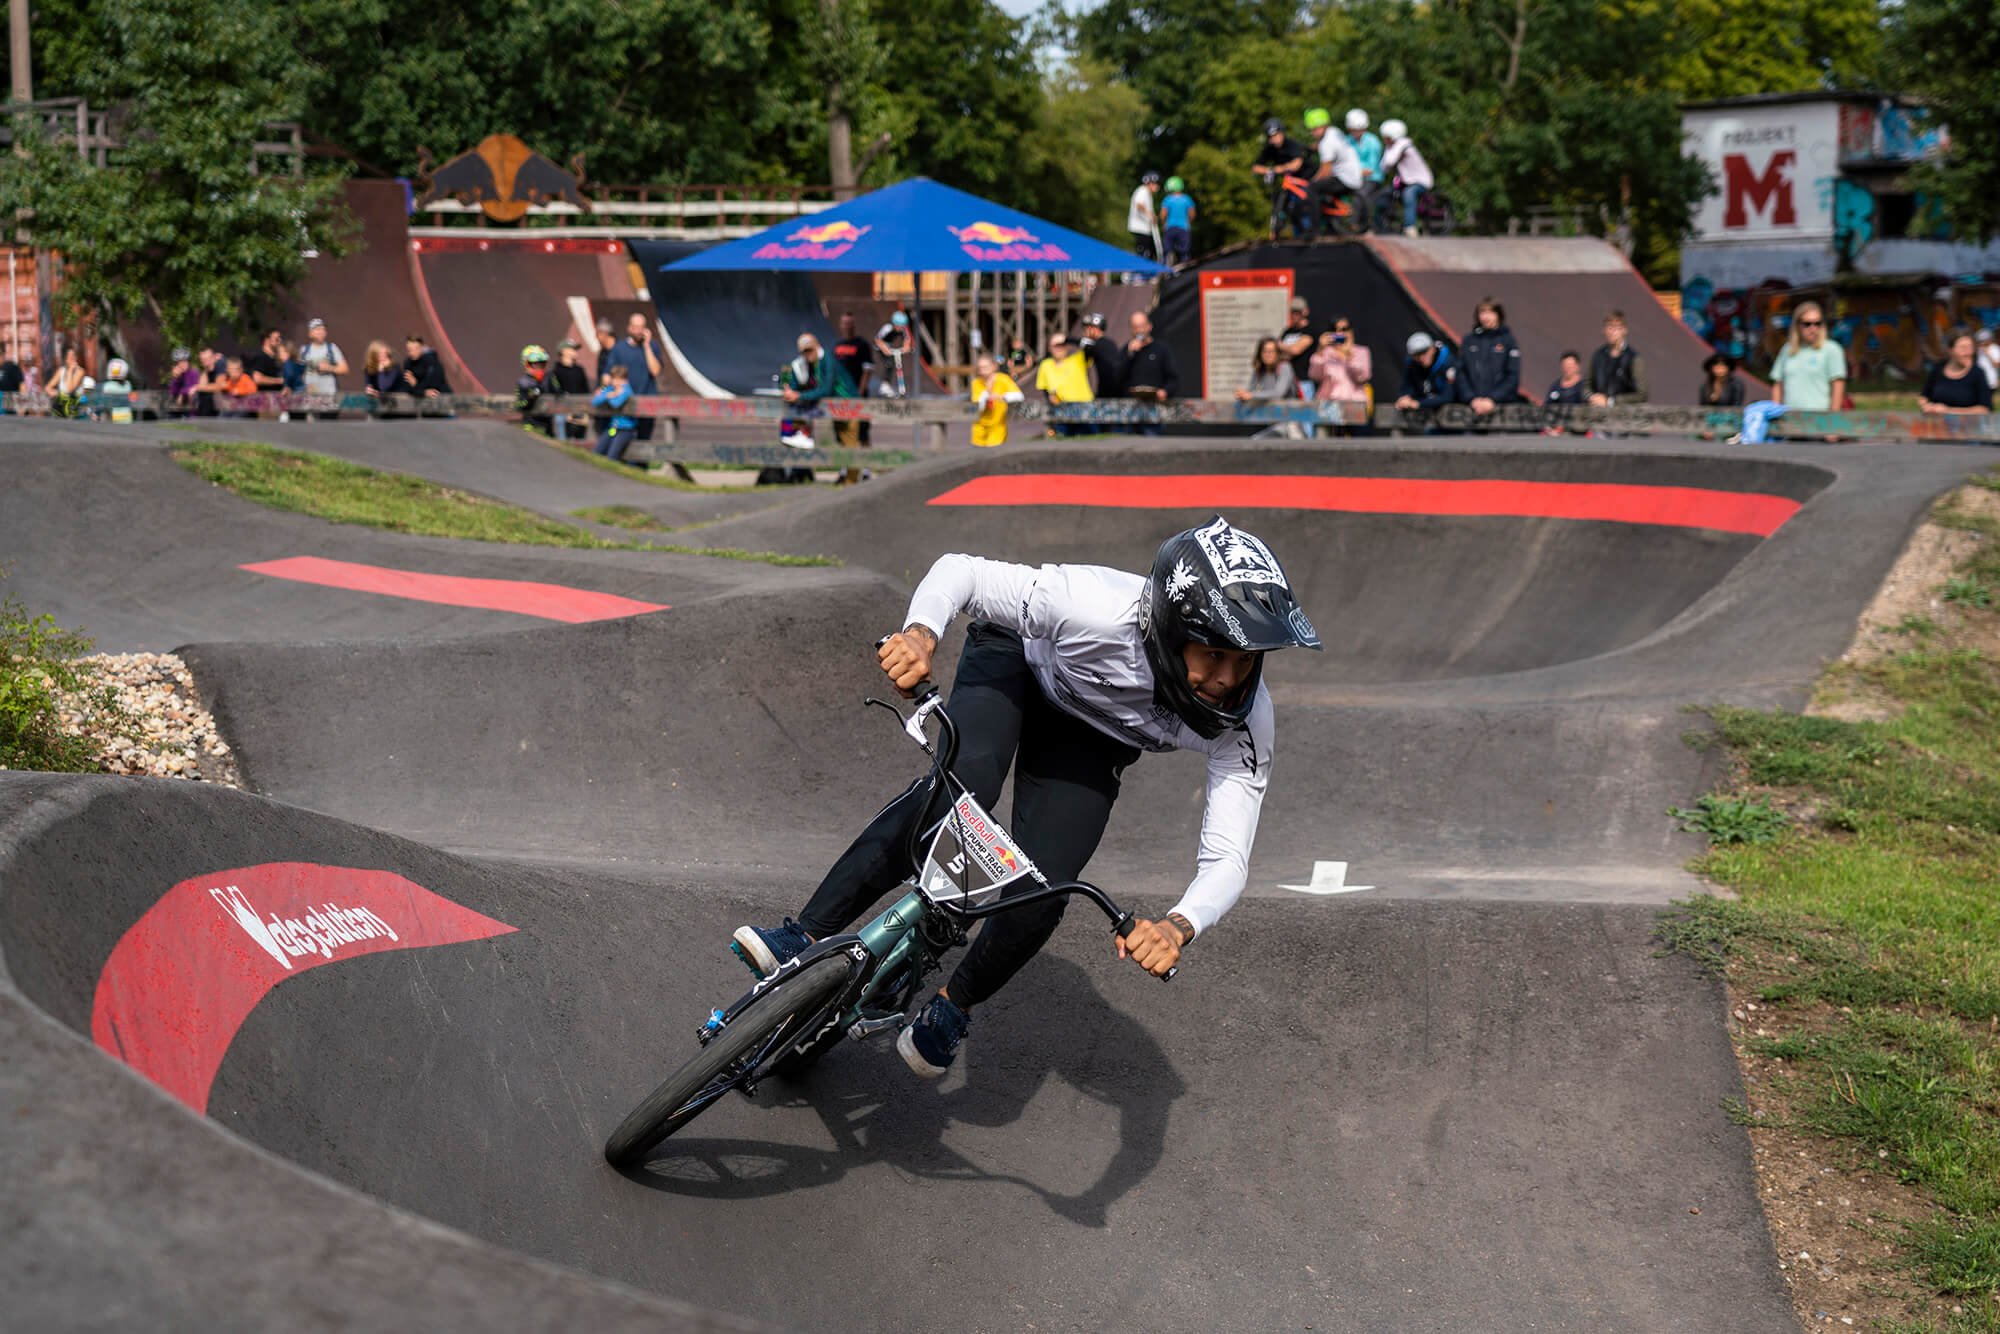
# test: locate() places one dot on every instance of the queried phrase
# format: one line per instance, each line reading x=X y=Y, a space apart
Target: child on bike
x=1069 y=673
x=1405 y=170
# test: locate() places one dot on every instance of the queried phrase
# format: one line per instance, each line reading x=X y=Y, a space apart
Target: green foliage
x=1948 y=51
x=1078 y=163
x=1732 y=819
x=38 y=670
x=183 y=223
x=1733 y=48
x=1968 y=592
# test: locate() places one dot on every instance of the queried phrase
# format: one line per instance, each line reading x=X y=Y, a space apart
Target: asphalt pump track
x=342 y=1053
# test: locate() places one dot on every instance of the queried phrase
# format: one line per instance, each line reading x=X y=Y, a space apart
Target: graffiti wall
x=1892 y=330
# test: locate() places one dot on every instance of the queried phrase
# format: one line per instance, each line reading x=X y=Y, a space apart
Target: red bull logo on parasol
x=825 y=240
x=991 y=241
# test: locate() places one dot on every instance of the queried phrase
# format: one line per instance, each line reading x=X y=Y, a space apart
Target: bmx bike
x=1341 y=213
x=860 y=984
x=1435 y=215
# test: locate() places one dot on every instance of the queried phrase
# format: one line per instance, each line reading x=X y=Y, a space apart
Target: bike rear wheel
x=762 y=1029
x=1435 y=213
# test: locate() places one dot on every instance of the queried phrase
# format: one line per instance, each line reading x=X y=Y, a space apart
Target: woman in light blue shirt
x=1811 y=373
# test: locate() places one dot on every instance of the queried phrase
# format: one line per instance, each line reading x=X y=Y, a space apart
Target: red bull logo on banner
x=826 y=240
x=991 y=241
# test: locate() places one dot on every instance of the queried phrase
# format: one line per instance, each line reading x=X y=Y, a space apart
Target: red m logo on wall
x=1772 y=190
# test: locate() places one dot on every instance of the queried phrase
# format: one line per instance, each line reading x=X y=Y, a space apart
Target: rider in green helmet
x=1318 y=119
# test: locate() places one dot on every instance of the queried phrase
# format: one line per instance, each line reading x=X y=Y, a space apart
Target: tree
x=1076 y=164
x=1733 y=48
x=1948 y=51
x=183 y=223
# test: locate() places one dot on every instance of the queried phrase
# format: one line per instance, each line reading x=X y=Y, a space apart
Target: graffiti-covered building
x=1815 y=200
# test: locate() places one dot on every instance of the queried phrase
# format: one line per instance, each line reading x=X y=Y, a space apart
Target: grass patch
x=1866 y=860
x=40 y=669
x=621 y=516
x=665 y=480
x=343 y=492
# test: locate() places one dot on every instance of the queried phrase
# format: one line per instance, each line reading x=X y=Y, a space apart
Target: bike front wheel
x=763 y=1028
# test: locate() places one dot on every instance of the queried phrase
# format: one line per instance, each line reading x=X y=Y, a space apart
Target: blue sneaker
x=765 y=948
x=930 y=1041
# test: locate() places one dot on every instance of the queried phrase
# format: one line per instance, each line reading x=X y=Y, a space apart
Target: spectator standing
x=642 y=364
x=422 y=376
x=613 y=395
x=210 y=385
x=607 y=338
x=992 y=390
x=1063 y=377
x=569 y=379
x=892 y=340
x=265 y=366
x=1341 y=371
x=1141 y=219
x=1617 y=371
x=1489 y=360
x=1989 y=357
x=1429 y=374
x=530 y=385
x=1811 y=372
x=1296 y=339
x=1177 y=212
x=1569 y=389
x=1367 y=145
x=855 y=357
x=291 y=370
x=1153 y=376
x=12 y=380
x=1956 y=386
x=1105 y=356
x=1405 y=170
x=324 y=363
x=1720 y=388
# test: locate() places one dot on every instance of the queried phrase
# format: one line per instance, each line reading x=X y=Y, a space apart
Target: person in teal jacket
x=804 y=381
x=616 y=394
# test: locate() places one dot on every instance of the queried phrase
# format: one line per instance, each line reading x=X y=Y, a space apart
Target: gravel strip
x=170 y=734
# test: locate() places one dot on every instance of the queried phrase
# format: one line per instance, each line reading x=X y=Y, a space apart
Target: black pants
x=1065 y=780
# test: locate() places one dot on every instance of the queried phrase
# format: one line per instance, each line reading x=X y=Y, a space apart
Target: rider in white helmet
x=1405 y=170
x=1366 y=143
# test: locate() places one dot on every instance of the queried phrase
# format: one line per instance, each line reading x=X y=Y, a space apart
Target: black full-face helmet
x=1220 y=586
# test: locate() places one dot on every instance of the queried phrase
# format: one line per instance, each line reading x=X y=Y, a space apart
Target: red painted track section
x=182 y=980
x=1672 y=506
x=555 y=602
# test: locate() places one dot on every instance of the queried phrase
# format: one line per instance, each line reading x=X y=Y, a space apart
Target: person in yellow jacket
x=1064 y=377
x=992 y=390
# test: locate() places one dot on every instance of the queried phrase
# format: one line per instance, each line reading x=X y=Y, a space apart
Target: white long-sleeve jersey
x=1080 y=627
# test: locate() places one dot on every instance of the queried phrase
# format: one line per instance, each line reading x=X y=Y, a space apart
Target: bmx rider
x=1069 y=673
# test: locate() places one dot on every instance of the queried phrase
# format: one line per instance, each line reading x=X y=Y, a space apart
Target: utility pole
x=17 y=51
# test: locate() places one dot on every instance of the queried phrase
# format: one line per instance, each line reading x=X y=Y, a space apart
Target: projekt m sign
x=1773 y=167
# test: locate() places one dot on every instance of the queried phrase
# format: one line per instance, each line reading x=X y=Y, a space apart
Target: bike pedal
x=740 y=953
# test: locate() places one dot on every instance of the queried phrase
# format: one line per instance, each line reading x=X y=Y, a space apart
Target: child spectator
x=992 y=391
x=531 y=385
x=1617 y=371
x=1177 y=213
x=1719 y=386
x=291 y=373
x=239 y=386
x=1063 y=377
x=114 y=393
x=1569 y=389
x=180 y=383
x=615 y=393
x=378 y=370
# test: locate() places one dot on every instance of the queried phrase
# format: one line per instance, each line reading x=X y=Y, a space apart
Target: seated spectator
x=181 y=378
x=1956 y=386
x=1428 y=375
x=1064 y=377
x=568 y=377
x=620 y=426
x=72 y=382
x=423 y=374
x=1810 y=374
x=1151 y=376
x=114 y=393
x=992 y=390
x=804 y=381
x=1989 y=357
x=1020 y=358
x=1271 y=379
x=1617 y=371
x=238 y=386
x=1177 y=212
x=1719 y=386
x=12 y=379
x=532 y=383
x=1569 y=388
x=379 y=373
x=1489 y=361
x=209 y=386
